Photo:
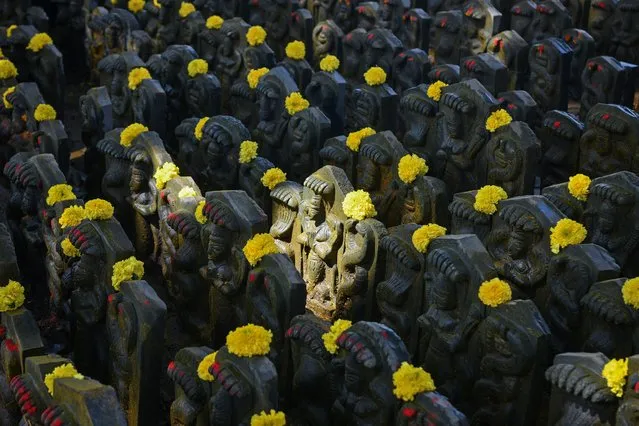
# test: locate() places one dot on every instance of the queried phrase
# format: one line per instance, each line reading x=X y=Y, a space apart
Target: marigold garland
x=186 y=9
x=495 y=292
x=566 y=232
x=630 y=292
x=253 y=77
x=165 y=173
x=273 y=177
x=203 y=367
x=497 y=119
x=7 y=69
x=198 y=132
x=435 y=90
x=274 y=418
x=11 y=29
x=578 y=186
x=249 y=340
x=69 y=249
x=409 y=381
x=329 y=63
x=615 y=372
x=131 y=132
x=214 y=22
x=199 y=212
x=98 y=209
x=354 y=139
x=423 y=236
x=186 y=192
x=197 y=67
x=11 y=296
x=39 y=42
x=248 y=151
x=255 y=35
x=410 y=167
x=259 y=246
x=59 y=192
x=295 y=103
x=61 y=372
x=71 y=216
x=296 y=50
x=487 y=198
x=375 y=76
x=136 y=6
x=330 y=337
x=44 y=112
x=137 y=76
x=6 y=93
x=125 y=270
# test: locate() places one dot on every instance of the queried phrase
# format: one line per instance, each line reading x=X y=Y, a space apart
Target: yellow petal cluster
x=197 y=67
x=354 y=139
x=157 y=4
x=98 y=209
x=44 y=112
x=249 y=340
x=11 y=29
x=7 y=69
x=255 y=35
x=497 y=119
x=358 y=205
x=566 y=232
x=375 y=76
x=329 y=63
x=125 y=270
x=295 y=103
x=274 y=418
x=259 y=246
x=203 y=367
x=137 y=76
x=578 y=186
x=487 y=198
x=495 y=292
x=273 y=177
x=199 y=128
x=422 y=237
x=69 y=249
x=187 y=192
x=59 y=192
x=165 y=173
x=435 y=90
x=630 y=292
x=11 y=296
x=186 y=9
x=330 y=337
x=410 y=167
x=296 y=50
x=39 y=41
x=6 y=93
x=615 y=372
x=254 y=76
x=61 y=372
x=248 y=151
x=214 y=22
x=199 y=212
x=409 y=381
x=131 y=132
x=71 y=216
x=136 y=6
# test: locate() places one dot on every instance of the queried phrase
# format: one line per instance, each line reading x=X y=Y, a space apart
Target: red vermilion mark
x=171 y=365
x=11 y=346
x=540 y=49
x=605 y=117
x=556 y=124
x=409 y=412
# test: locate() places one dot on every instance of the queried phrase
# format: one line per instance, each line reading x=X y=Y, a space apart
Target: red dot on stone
x=556 y=124
x=605 y=116
x=409 y=412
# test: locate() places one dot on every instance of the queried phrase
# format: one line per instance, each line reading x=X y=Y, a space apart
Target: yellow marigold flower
x=199 y=128
x=125 y=270
x=274 y=418
x=358 y=205
x=44 y=112
x=497 y=119
x=354 y=139
x=425 y=234
x=295 y=103
x=186 y=9
x=199 y=212
x=255 y=35
x=615 y=372
x=336 y=330
x=137 y=76
x=197 y=67
x=566 y=232
x=630 y=292
x=11 y=296
x=409 y=381
x=249 y=340
x=131 y=132
x=7 y=69
x=435 y=90
x=410 y=167
x=254 y=76
x=375 y=76
x=259 y=246
x=203 y=367
x=61 y=372
x=296 y=50
x=495 y=292
x=114 y=2
x=187 y=192
x=157 y=4
x=165 y=173
x=69 y=249
x=135 y=5
x=39 y=41
x=329 y=63
x=248 y=151
x=273 y=177
x=98 y=209
x=71 y=216
x=578 y=186
x=6 y=93
x=11 y=29
x=214 y=22
x=487 y=198
x=59 y=192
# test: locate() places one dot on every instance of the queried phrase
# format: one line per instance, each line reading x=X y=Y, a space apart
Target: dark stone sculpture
x=353 y=45
x=327 y=40
x=488 y=70
x=599 y=24
x=624 y=45
x=608 y=81
x=447 y=37
x=336 y=153
x=414 y=29
x=480 y=23
x=561 y=198
x=522 y=107
x=149 y=105
x=583 y=48
x=550 y=61
x=380 y=48
x=114 y=71
x=327 y=91
x=521 y=19
x=512 y=51
x=465 y=219
x=418 y=112
x=372 y=106
x=550 y=19
x=307 y=131
x=448 y=73
x=559 y=136
x=410 y=68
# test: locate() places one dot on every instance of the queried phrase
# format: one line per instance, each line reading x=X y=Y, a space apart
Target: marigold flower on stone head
x=259 y=246
x=578 y=186
x=71 y=216
x=409 y=381
x=615 y=372
x=61 y=372
x=69 y=249
x=203 y=367
x=630 y=292
x=295 y=103
x=5 y=100
x=487 y=198
x=187 y=192
x=495 y=292
x=249 y=340
x=566 y=232
x=186 y=9
x=59 y=192
x=39 y=41
x=358 y=205
x=131 y=132
x=11 y=29
x=375 y=76
x=354 y=139
x=197 y=67
x=137 y=76
x=330 y=338
x=248 y=151
x=274 y=418
x=273 y=177
x=136 y=6
x=255 y=35
x=253 y=77
x=7 y=69
x=410 y=167
x=126 y=270
x=98 y=209
x=329 y=63
x=497 y=119
x=165 y=173
x=423 y=236
x=199 y=212
x=214 y=22
x=199 y=128
x=11 y=296
x=435 y=90
x=44 y=112
x=296 y=50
